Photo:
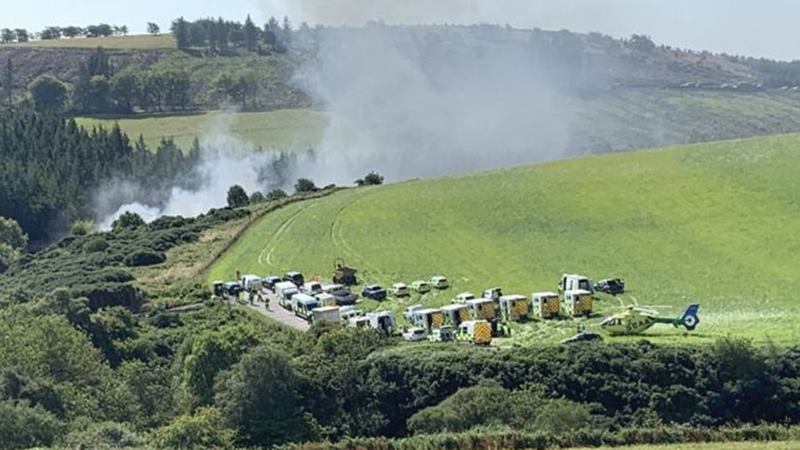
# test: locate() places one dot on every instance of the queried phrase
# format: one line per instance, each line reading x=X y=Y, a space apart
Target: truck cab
x=493 y=293
x=573 y=282
x=312 y=288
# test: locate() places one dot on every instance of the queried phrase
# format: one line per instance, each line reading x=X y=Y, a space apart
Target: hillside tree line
x=51 y=167
x=21 y=35
x=219 y=36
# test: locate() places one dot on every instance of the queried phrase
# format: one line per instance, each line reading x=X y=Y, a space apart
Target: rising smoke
x=406 y=102
x=421 y=102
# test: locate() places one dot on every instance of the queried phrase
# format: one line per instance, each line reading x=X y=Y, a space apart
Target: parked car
x=440 y=282
x=613 y=286
x=295 y=277
x=271 y=281
x=400 y=290
x=421 y=287
x=374 y=292
x=415 y=334
x=463 y=297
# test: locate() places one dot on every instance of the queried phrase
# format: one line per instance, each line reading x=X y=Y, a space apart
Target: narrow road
x=277 y=312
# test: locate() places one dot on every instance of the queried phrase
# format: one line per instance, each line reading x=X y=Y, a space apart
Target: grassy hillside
x=713 y=223
x=140 y=41
x=612 y=121
x=290 y=129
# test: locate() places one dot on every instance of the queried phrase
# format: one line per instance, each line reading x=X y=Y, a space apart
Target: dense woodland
x=52 y=168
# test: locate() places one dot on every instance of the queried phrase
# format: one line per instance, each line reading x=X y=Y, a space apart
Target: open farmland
x=288 y=129
x=140 y=41
x=713 y=223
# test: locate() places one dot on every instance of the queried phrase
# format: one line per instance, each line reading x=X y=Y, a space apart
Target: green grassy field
x=288 y=129
x=714 y=446
x=139 y=41
x=713 y=223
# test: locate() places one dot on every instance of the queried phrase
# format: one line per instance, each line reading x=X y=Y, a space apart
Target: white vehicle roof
x=453 y=307
x=324 y=309
x=303 y=297
x=428 y=311
x=574 y=275
x=438 y=278
x=545 y=294
x=284 y=285
x=399 y=285
x=313 y=283
x=420 y=282
x=380 y=314
x=513 y=297
x=465 y=295
x=251 y=277
x=577 y=292
x=324 y=296
x=479 y=301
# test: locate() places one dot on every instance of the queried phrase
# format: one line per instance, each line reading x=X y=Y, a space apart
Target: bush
x=202 y=430
x=23 y=427
x=104 y=435
x=372 y=179
x=144 y=258
x=98 y=244
x=257 y=197
x=276 y=194
x=127 y=221
x=82 y=227
x=305 y=185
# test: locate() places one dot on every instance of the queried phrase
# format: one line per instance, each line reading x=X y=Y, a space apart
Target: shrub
x=276 y=194
x=304 y=185
x=144 y=258
x=98 y=244
x=257 y=197
x=202 y=430
x=127 y=221
x=23 y=427
x=82 y=227
x=372 y=179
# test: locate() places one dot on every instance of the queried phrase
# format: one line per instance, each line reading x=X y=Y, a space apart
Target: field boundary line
x=203 y=272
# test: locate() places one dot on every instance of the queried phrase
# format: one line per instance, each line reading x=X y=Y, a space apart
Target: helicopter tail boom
x=690 y=319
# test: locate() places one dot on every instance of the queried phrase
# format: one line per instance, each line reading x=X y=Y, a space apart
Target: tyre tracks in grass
x=340 y=243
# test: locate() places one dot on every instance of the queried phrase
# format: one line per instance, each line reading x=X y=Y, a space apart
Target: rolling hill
x=713 y=223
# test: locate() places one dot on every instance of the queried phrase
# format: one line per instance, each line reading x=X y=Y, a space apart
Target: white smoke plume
x=224 y=161
x=406 y=104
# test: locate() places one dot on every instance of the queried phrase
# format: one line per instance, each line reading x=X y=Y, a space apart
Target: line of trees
x=99 y=89
x=21 y=35
x=51 y=167
x=218 y=36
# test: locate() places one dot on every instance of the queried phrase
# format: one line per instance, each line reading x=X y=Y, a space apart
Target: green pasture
x=714 y=223
x=138 y=42
x=288 y=129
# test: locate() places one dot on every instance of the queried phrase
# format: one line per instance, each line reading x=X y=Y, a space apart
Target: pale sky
x=752 y=27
